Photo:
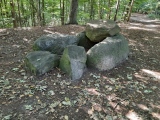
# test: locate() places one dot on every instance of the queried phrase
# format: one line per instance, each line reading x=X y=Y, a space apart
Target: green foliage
x=48 y=12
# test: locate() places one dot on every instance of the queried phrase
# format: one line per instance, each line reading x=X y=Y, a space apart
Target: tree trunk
x=92 y=9
x=39 y=17
x=100 y=9
x=33 y=13
x=130 y=10
x=109 y=11
x=13 y=14
x=117 y=7
x=67 y=8
x=43 y=17
x=2 y=14
x=62 y=11
x=19 y=14
x=73 y=12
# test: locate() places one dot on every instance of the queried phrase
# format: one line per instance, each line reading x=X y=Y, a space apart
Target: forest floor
x=130 y=91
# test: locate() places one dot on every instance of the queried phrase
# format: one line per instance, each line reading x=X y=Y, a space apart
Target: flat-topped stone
x=98 y=30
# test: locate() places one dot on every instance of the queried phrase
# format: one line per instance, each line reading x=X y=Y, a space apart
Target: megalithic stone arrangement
x=100 y=46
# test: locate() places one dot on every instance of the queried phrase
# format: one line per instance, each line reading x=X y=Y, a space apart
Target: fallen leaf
x=55 y=104
x=28 y=107
x=7 y=117
x=129 y=76
x=51 y=92
x=66 y=117
x=68 y=103
x=59 y=76
x=148 y=91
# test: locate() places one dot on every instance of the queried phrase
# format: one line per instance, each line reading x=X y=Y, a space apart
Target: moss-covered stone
x=54 y=43
x=108 y=53
x=40 y=62
x=65 y=62
x=73 y=61
x=98 y=30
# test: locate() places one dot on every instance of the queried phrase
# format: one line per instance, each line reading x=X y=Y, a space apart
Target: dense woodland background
x=24 y=13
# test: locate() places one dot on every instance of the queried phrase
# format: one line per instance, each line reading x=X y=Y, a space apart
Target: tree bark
x=39 y=17
x=33 y=12
x=117 y=7
x=13 y=14
x=19 y=14
x=43 y=17
x=62 y=11
x=91 y=10
x=73 y=12
x=2 y=14
x=109 y=11
x=100 y=14
x=130 y=10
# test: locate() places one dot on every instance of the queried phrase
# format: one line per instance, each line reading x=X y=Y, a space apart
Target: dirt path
x=130 y=91
x=142 y=18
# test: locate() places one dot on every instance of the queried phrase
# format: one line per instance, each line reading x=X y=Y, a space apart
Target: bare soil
x=126 y=92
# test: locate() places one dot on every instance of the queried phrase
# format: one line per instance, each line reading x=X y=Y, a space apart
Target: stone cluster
x=100 y=46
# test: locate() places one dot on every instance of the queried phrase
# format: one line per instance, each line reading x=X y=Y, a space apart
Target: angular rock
x=84 y=41
x=73 y=61
x=108 y=53
x=55 y=43
x=40 y=62
x=98 y=30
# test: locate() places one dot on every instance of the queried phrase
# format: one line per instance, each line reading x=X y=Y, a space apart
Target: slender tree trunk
x=67 y=7
x=43 y=18
x=2 y=14
x=123 y=13
x=39 y=12
x=19 y=14
x=130 y=10
x=109 y=7
x=100 y=9
x=117 y=7
x=73 y=12
x=24 y=18
x=62 y=11
x=13 y=14
x=33 y=13
x=92 y=9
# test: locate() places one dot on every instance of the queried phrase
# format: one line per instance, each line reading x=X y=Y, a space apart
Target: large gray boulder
x=73 y=61
x=108 y=53
x=84 y=40
x=40 y=62
x=55 y=43
x=98 y=30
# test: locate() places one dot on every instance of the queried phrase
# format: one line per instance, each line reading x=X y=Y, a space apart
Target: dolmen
x=101 y=46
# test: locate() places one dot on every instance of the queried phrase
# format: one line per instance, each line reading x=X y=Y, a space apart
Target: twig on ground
x=4 y=34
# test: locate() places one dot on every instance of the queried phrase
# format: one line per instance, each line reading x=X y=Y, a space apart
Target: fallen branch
x=4 y=34
x=150 y=73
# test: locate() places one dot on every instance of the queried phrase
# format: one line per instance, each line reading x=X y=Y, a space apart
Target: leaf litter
x=109 y=95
